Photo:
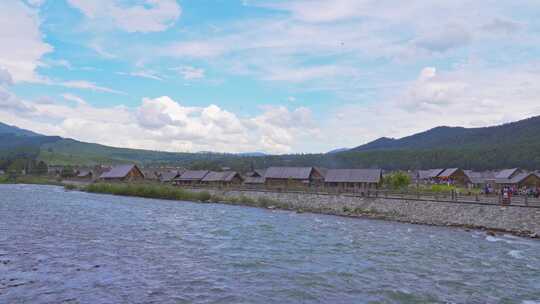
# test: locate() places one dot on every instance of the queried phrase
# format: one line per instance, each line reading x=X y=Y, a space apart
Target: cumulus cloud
x=22 y=44
x=469 y=97
x=160 y=124
x=151 y=16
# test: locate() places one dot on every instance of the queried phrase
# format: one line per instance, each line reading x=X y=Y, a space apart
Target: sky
x=292 y=76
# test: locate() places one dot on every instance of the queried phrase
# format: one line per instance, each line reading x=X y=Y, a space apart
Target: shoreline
x=157 y=191
x=266 y=201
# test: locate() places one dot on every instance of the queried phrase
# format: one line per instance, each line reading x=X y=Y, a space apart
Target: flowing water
x=72 y=247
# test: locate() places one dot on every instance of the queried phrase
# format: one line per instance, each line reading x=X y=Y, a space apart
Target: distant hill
x=7 y=129
x=338 y=150
x=253 y=154
x=514 y=134
x=510 y=145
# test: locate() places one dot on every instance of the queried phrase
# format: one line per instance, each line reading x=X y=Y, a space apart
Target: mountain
x=522 y=132
x=253 y=154
x=506 y=146
x=7 y=129
x=338 y=150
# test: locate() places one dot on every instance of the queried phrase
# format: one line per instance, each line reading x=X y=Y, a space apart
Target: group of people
x=509 y=191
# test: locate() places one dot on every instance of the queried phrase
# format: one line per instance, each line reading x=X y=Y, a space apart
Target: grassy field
x=159 y=191
x=30 y=179
x=148 y=191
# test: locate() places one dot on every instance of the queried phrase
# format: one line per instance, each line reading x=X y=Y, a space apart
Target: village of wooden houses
x=501 y=184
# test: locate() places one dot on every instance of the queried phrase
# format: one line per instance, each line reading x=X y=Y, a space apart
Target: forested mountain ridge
x=7 y=129
x=511 y=145
x=516 y=133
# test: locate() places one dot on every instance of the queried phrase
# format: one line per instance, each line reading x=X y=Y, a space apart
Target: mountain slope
x=522 y=132
x=7 y=129
x=510 y=145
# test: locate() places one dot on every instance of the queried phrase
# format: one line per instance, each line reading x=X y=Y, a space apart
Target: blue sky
x=274 y=76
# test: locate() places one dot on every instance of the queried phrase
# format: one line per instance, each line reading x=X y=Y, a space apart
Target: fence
x=449 y=196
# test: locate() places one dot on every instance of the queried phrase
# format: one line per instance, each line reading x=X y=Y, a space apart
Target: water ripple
x=72 y=247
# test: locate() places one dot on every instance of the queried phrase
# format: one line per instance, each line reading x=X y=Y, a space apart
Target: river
x=60 y=246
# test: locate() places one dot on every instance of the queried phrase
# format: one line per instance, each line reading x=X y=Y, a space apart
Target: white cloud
x=71 y=97
x=189 y=72
x=469 y=97
x=502 y=26
x=444 y=39
x=36 y=2
x=22 y=45
x=87 y=85
x=160 y=124
x=151 y=16
x=142 y=74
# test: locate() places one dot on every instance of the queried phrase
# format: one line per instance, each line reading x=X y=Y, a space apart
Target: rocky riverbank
x=519 y=220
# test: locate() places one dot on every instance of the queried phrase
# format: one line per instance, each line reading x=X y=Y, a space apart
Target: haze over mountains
x=510 y=145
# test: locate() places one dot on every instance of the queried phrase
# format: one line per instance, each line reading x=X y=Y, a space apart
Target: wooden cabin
x=293 y=177
x=170 y=176
x=123 y=173
x=522 y=180
x=352 y=180
x=85 y=175
x=453 y=176
x=427 y=176
x=222 y=179
x=191 y=178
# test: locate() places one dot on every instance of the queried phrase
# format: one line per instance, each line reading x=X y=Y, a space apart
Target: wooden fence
x=450 y=196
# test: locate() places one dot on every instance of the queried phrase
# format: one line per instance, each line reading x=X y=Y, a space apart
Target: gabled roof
x=225 y=176
x=521 y=177
x=119 y=171
x=353 y=176
x=506 y=173
x=256 y=173
x=430 y=173
x=448 y=172
x=192 y=175
x=169 y=176
x=302 y=173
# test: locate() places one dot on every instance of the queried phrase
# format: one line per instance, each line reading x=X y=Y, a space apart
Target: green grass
x=174 y=193
x=446 y=189
x=148 y=191
x=30 y=179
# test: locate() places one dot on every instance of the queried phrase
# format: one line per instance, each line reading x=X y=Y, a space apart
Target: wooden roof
x=506 y=173
x=193 y=175
x=119 y=171
x=448 y=172
x=302 y=173
x=353 y=176
x=225 y=176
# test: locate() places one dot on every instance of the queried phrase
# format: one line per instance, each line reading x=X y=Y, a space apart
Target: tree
x=67 y=171
x=397 y=180
x=40 y=168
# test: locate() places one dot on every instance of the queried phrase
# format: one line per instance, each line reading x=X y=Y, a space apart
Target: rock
x=491 y=233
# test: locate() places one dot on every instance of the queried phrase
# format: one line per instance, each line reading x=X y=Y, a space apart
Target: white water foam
x=515 y=254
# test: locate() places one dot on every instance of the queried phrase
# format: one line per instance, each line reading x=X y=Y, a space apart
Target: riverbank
x=516 y=220
x=31 y=180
